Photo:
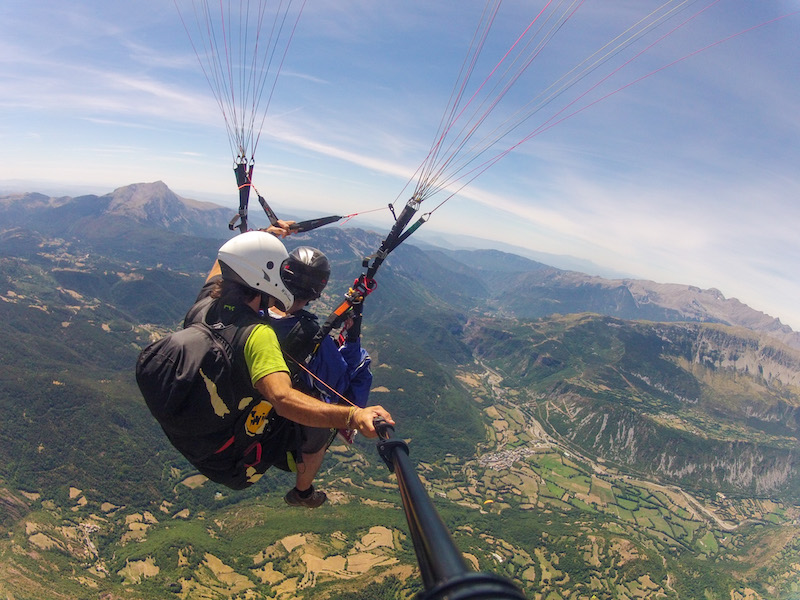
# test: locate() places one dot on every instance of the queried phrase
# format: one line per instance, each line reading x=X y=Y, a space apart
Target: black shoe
x=316 y=499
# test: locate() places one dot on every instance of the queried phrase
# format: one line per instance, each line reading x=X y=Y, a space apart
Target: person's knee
x=316 y=439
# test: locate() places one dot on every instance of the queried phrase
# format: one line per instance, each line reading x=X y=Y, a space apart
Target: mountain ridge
x=537 y=290
x=564 y=292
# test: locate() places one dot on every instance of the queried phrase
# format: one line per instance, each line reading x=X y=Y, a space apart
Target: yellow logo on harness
x=257 y=418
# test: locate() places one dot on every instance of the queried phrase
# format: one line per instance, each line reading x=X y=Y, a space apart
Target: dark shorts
x=314 y=439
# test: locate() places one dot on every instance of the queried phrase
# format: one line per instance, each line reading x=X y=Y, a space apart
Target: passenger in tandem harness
x=221 y=389
x=334 y=370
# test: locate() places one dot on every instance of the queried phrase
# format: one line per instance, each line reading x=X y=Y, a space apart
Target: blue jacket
x=344 y=368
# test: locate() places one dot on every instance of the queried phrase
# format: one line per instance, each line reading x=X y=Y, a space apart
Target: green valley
x=581 y=455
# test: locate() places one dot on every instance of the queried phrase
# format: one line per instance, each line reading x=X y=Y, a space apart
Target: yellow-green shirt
x=262 y=352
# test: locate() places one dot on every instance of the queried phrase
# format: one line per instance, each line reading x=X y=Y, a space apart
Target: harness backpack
x=196 y=385
x=298 y=342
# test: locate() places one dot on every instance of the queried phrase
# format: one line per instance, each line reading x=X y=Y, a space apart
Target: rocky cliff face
x=668 y=447
x=705 y=406
x=694 y=304
x=156 y=205
x=735 y=349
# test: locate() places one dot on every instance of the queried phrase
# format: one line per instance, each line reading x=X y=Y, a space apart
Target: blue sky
x=687 y=176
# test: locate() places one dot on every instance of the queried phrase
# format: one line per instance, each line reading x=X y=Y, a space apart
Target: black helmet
x=305 y=273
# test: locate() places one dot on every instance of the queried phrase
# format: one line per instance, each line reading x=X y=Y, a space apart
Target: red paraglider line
x=453 y=121
x=500 y=96
x=478 y=170
x=345 y=217
x=362 y=212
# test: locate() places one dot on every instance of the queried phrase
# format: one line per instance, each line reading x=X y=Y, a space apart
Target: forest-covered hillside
x=575 y=454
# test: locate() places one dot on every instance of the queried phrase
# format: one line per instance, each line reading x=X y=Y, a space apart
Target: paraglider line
x=430 y=184
x=437 y=145
x=456 y=147
x=279 y=70
x=478 y=170
x=362 y=212
x=313 y=376
x=547 y=126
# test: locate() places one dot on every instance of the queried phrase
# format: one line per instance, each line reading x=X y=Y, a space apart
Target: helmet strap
x=266 y=302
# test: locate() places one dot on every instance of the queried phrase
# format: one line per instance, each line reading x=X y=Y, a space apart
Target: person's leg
x=308 y=469
x=315 y=443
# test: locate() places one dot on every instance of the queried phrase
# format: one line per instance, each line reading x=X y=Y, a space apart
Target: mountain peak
x=133 y=199
x=155 y=204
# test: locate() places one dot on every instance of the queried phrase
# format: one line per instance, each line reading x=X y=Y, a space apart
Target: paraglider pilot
x=280 y=426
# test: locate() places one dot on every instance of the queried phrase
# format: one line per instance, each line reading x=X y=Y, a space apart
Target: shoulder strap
x=198 y=312
x=231 y=336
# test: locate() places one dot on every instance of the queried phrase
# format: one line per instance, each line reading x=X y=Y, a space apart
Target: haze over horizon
x=687 y=176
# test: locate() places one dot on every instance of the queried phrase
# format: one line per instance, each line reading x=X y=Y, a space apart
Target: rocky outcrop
x=695 y=304
x=669 y=450
x=739 y=350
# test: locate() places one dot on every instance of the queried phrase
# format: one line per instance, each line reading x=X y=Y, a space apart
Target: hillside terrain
x=517 y=286
x=582 y=451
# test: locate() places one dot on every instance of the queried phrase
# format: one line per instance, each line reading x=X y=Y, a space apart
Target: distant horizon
x=425 y=235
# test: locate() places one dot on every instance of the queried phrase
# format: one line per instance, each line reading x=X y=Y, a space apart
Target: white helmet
x=254 y=259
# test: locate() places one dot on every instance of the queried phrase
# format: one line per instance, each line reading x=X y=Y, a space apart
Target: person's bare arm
x=301 y=408
x=281 y=229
